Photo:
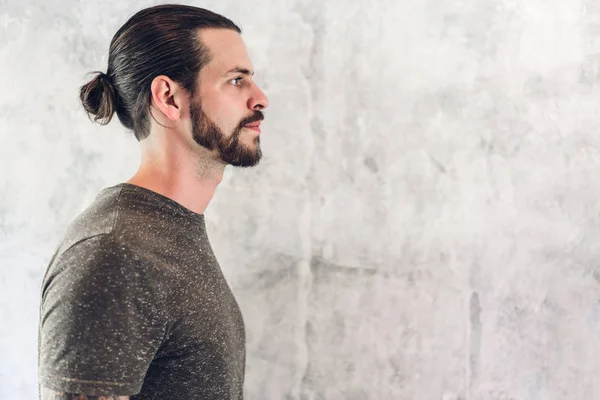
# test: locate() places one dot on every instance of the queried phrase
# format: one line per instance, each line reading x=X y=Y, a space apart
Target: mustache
x=255 y=117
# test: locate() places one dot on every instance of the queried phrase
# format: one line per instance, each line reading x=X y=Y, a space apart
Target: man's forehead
x=228 y=51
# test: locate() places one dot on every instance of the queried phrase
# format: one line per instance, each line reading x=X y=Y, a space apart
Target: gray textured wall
x=425 y=224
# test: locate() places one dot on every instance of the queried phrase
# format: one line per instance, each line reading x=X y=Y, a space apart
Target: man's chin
x=245 y=160
x=244 y=164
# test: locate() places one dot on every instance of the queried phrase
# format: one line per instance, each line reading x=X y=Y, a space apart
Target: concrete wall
x=425 y=224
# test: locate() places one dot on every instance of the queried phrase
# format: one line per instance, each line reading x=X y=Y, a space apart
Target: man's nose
x=258 y=100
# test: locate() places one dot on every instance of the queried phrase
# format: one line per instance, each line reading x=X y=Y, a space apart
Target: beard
x=231 y=150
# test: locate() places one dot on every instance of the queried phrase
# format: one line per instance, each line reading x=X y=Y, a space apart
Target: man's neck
x=193 y=188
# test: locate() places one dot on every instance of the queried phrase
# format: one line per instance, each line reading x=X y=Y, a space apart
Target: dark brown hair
x=160 y=40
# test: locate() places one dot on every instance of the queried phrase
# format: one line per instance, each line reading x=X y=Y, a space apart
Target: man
x=134 y=304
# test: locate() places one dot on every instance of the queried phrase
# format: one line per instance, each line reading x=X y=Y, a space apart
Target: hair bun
x=99 y=98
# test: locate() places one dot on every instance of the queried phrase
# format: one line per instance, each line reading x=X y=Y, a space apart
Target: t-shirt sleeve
x=101 y=321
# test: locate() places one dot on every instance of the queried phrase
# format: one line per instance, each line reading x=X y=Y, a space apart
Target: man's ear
x=166 y=96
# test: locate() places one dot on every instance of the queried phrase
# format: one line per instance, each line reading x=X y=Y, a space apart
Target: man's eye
x=236 y=81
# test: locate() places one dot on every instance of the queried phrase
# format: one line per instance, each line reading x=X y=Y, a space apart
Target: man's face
x=226 y=111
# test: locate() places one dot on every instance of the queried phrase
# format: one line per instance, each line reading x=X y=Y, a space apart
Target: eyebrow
x=240 y=70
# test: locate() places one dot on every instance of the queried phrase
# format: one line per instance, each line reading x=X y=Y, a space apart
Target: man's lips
x=255 y=126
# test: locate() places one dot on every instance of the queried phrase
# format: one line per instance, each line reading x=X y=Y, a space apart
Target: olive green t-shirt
x=134 y=303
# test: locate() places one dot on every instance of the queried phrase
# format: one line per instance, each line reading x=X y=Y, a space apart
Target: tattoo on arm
x=48 y=394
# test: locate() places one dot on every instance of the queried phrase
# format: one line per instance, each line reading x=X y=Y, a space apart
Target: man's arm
x=102 y=320
x=48 y=394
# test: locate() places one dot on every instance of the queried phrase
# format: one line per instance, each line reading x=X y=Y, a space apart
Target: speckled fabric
x=134 y=303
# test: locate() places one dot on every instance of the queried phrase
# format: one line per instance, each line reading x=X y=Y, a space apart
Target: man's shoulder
x=97 y=220
x=101 y=262
x=95 y=238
